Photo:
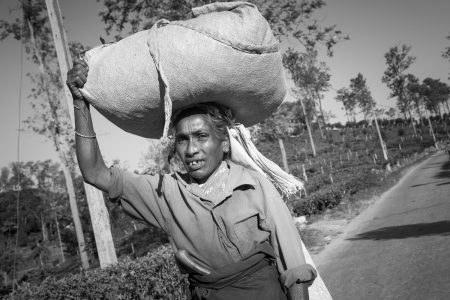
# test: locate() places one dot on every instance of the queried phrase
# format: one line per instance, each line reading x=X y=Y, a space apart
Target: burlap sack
x=226 y=54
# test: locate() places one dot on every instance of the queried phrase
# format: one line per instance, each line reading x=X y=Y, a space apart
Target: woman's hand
x=76 y=78
x=305 y=274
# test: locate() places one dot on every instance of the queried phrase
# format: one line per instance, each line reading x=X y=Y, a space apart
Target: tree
x=361 y=95
x=446 y=53
x=414 y=94
x=154 y=160
x=436 y=93
x=309 y=77
x=289 y=19
x=50 y=119
x=277 y=126
x=348 y=101
x=307 y=108
x=398 y=61
x=44 y=185
x=320 y=79
x=390 y=113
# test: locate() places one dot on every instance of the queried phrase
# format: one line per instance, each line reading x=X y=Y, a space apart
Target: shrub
x=324 y=198
x=154 y=276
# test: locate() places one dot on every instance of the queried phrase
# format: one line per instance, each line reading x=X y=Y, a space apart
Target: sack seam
x=272 y=48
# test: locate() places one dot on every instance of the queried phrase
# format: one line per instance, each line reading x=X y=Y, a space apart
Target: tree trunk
x=75 y=214
x=320 y=128
x=443 y=119
x=432 y=131
x=383 y=145
x=61 y=247
x=44 y=229
x=5 y=278
x=65 y=167
x=308 y=126
x=315 y=113
x=321 y=111
x=283 y=155
x=420 y=114
x=412 y=121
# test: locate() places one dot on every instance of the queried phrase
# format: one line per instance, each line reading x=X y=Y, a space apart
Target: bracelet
x=86 y=136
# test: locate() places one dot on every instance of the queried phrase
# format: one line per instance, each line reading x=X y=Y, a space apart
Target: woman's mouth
x=195 y=164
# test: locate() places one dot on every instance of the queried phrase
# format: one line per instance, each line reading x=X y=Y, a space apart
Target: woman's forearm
x=89 y=157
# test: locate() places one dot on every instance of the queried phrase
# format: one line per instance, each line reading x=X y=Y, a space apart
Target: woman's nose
x=192 y=147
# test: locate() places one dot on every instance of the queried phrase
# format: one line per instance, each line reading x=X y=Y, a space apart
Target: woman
x=227 y=224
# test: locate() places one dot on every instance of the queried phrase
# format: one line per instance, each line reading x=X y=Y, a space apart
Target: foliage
x=154 y=276
x=446 y=53
x=154 y=160
x=310 y=76
x=347 y=99
x=414 y=92
x=281 y=123
x=398 y=61
x=361 y=95
x=434 y=93
x=289 y=19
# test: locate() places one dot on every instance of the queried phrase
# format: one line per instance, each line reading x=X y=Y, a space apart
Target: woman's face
x=199 y=146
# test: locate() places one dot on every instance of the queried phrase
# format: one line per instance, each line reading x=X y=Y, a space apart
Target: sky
x=373 y=26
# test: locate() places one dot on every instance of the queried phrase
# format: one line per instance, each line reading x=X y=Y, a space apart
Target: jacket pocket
x=248 y=233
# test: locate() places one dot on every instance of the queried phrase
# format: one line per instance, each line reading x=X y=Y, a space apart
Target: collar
x=239 y=176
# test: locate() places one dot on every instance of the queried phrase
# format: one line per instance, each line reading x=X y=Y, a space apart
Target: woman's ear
x=226 y=146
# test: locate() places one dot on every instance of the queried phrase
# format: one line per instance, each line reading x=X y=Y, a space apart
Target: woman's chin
x=198 y=176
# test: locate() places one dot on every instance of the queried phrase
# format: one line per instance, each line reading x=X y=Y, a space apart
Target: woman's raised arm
x=90 y=159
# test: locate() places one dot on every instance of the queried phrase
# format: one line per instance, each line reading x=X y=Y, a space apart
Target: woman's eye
x=180 y=140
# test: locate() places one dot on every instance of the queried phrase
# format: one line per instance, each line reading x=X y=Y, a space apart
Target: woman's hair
x=218 y=116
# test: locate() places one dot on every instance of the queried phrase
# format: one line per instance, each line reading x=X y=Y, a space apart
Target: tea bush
x=154 y=276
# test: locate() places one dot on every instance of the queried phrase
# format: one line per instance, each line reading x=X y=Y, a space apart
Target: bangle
x=86 y=136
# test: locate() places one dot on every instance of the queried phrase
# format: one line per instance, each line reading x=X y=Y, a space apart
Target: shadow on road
x=445 y=171
x=431 y=166
x=422 y=184
x=405 y=231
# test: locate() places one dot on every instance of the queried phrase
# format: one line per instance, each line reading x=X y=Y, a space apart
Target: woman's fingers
x=75 y=91
x=79 y=61
x=77 y=77
x=82 y=78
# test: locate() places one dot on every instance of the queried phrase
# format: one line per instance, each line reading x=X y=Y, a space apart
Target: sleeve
x=139 y=195
x=284 y=236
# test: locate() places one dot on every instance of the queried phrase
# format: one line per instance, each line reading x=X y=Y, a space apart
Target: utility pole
x=97 y=209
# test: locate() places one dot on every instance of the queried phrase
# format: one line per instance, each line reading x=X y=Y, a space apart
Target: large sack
x=226 y=54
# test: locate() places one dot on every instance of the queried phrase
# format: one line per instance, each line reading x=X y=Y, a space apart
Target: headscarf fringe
x=245 y=153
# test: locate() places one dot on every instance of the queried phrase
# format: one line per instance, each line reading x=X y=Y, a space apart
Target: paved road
x=400 y=247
